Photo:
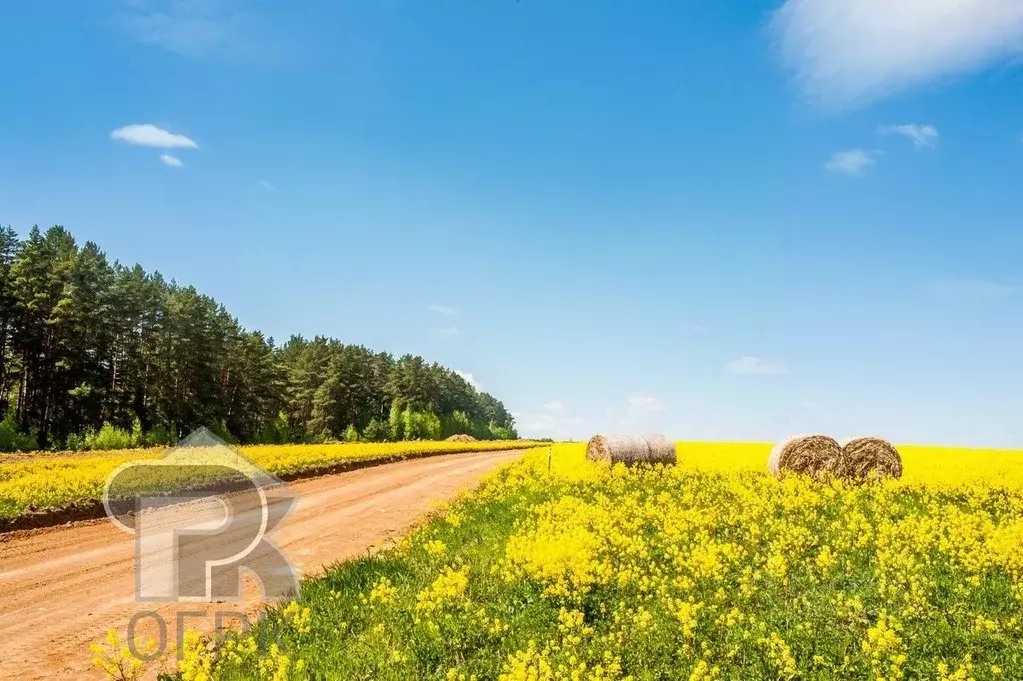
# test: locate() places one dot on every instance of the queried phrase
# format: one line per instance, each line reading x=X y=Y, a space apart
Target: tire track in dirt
x=62 y=588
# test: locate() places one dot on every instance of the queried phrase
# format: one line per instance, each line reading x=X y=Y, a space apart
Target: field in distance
x=557 y=567
x=48 y=483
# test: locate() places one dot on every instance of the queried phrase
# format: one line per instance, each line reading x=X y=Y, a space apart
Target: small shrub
x=75 y=442
x=501 y=432
x=109 y=437
x=375 y=431
x=137 y=436
x=458 y=423
x=13 y=440
x=351 y=434
x=279 y=432
x=396 y=422
x=159 y=437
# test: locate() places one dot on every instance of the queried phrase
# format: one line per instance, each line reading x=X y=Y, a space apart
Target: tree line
x=89 y=347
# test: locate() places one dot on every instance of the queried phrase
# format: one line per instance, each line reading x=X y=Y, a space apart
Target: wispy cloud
x=970 y=288
x=750 y=366
x=450 y=332
x=919 y=135
x=639 y=410
x=547 y=424
x=851 y=162
x=469 y=379
x=442 y=309
x=149 y=135
x=172 y=161
x=555 y=406
x=645 y=403
x=855 y=51
x=266 y=185
x=194 y=28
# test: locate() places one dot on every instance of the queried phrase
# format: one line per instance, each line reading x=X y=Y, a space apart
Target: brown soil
x=62 y=588
x=460 y=438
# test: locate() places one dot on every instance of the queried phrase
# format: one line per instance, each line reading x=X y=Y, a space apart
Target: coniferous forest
x=95 y=354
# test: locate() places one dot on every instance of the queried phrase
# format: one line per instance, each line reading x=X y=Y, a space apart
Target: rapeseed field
x=558 y=568
x=38 y=483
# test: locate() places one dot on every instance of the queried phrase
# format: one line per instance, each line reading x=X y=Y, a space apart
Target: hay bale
x=865 y=458
x=460 y=437
x=813 y=455
x=631 y=449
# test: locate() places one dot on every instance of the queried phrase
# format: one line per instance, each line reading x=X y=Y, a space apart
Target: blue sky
x=712 y=220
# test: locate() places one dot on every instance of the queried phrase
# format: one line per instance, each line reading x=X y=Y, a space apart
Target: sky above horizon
x=717 y=221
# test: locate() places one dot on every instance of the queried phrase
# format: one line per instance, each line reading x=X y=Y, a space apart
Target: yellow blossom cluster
x=711 y=570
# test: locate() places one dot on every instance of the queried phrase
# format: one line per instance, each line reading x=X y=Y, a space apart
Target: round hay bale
x=865 y=458
x=812 y=455
x=631 y=449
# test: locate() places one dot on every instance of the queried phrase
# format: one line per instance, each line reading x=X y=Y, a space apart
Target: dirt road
x=61 y=589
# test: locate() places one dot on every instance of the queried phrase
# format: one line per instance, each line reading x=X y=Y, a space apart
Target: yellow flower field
x=558 y=568
x=47 y=482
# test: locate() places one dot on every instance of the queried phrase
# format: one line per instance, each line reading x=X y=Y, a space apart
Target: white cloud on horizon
x=172 y=161
x=756 y=366
x=920 y=135
x=469 y=379
x=149 y=135
x=555 y=405
x=851 y=161
x=854 y=51
x=548 y=423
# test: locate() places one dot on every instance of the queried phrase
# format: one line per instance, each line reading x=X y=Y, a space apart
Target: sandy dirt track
x=62 y=588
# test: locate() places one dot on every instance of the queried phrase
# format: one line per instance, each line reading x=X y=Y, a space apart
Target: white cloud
x=640 y=411
x=469 y=379
x=450 y=332
x=193 y=28
x=266 y=185
x=844 y=52
x=851 y=162
x=645 y=403
x=756 y=366
x=546 y=424
x=172 y=161
x=554 y=406
x=971 y=288
x=919 y=135
x=149 y=135
x=442 y=309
